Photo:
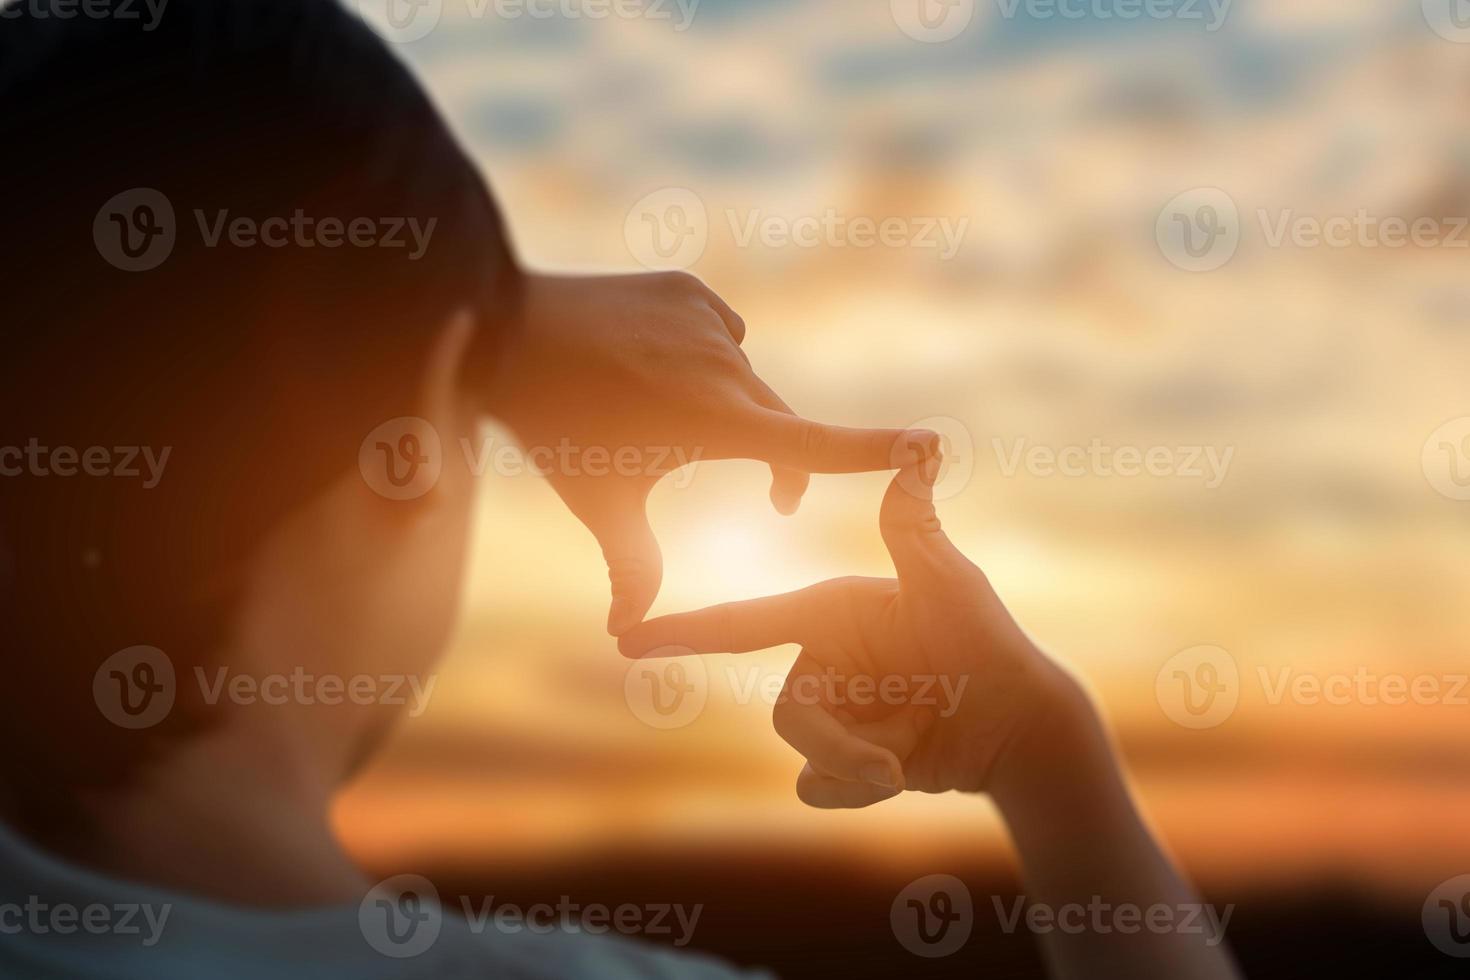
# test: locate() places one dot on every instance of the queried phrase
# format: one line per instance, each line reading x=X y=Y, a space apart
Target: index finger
x=790 y=440
x=731 y=627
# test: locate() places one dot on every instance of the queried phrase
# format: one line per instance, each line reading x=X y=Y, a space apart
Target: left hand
x=647 y=372
x=922 y=682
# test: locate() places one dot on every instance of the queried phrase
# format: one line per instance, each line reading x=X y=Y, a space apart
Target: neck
x=237 y=816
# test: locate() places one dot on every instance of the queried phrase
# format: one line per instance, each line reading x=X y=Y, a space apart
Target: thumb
x=635 y=567
x=911 y=530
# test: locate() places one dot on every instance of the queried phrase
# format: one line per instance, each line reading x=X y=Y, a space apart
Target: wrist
x=1061 y=751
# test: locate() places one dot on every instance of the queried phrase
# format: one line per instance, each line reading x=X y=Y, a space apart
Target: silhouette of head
x=234 y=241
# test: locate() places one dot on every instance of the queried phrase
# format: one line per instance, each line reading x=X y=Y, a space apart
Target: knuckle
x=811 y=438
x=681 y=280
x=805 y=787
x=627 y=573
x=783 y=717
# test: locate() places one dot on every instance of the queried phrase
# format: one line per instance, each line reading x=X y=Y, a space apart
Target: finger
x=832 y=750
x=634 y=564
x=732 y=627
x=826 y=793
x=791 y=441
x=910 y=526
x=805 y=724
x=899 y=732
x=788 y=485
x=734 y=322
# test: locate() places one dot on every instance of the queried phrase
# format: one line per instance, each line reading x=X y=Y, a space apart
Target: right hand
x=651 y=366
x=961 y=691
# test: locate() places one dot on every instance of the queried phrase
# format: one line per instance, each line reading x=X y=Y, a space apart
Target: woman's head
x=316 y=231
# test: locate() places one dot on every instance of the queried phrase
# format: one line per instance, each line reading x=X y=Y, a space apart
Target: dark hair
x=260 y=370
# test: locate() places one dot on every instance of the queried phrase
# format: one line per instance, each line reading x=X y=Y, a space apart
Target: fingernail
x=879 y=774
x=925 y=443
x=929 y=469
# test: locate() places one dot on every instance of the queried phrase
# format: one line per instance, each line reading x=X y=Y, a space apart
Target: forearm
x=1108 y=902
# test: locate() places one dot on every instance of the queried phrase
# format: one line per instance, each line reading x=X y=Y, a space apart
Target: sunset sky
x=1319 y=373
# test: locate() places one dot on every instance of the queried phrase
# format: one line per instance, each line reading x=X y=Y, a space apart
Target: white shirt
x=63 y=921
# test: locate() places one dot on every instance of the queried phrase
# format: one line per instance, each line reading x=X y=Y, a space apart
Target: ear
x=410 y=460
x=444 y=403
x=442 y=397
